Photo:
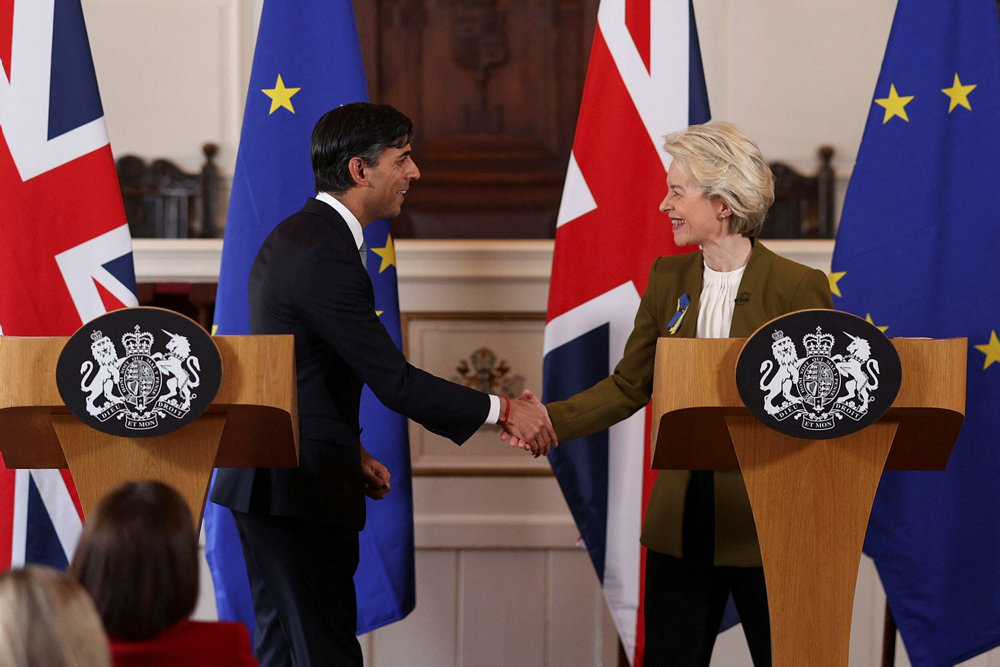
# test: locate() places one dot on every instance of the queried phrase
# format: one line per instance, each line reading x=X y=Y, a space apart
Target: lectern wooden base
x=811 y=527
x=182 y=459
x=811 y=499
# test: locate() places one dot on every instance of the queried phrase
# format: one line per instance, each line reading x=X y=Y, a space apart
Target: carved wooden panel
x=493 y=88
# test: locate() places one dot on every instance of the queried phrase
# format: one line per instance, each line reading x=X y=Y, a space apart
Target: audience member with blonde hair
x=138 y=559
x=48 y=620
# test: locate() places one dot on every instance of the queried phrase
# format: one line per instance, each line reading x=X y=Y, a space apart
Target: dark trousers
x=685 y=601
x=302 y=582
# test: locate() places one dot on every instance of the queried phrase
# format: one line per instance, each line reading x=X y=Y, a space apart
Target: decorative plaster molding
x=502 y=266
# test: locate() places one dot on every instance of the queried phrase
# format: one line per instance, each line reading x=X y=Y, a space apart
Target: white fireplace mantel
x=434 y=275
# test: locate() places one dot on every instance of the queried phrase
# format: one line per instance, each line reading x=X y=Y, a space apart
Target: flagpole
x=888 y=638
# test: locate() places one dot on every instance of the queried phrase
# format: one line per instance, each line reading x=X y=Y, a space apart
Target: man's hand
x=528 y=426
x=376 y=476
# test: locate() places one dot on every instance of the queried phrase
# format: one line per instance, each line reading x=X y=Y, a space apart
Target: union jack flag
x=67 y=253
x=644 y=80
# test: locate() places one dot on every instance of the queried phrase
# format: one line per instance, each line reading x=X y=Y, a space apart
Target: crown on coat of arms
x=818 y=344
x=138 y=342
x=98 y=341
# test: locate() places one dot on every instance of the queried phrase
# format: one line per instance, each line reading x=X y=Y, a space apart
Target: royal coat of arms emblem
x=166 y=372
x=846 y=377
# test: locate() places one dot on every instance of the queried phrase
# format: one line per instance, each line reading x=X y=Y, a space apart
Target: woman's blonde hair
x=47 y=619
x=729 y=165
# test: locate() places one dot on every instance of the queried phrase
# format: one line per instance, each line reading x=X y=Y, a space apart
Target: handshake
x=528 y=426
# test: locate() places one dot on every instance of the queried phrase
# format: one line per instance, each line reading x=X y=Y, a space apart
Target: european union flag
x=918 y=253
x=308 y=61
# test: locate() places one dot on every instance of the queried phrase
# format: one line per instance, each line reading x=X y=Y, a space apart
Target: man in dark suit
x=299 y=526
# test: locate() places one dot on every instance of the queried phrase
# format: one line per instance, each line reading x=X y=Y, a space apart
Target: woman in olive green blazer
x=700 y=535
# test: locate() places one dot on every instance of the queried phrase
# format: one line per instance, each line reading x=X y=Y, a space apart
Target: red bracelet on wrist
x=506 y=409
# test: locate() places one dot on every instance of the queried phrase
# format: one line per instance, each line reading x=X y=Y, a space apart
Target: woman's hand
x=548 y=430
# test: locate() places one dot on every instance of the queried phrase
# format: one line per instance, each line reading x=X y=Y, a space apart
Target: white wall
x=173 y=74
x=795 y=74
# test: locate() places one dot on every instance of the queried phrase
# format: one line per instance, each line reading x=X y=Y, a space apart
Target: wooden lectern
x=253 y=422
x=811 y=499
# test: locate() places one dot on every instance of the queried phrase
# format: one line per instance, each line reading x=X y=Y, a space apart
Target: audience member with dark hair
x=48 y=620
x=138 y=559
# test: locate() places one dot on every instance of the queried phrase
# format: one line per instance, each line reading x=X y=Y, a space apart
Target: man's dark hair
x=138 y=559
x=361 y=130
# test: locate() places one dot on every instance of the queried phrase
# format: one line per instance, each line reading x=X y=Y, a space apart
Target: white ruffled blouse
x=718 y=299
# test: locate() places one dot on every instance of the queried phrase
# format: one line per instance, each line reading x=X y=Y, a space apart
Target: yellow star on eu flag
x=958 y=94
x=835 y=276
x=991 y=350
x=280 y=96
x=388 y=254
x=868 y=319
x=894 y=105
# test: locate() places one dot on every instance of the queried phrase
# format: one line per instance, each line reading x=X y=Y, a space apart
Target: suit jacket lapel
x=748 y=308
x=337 y=223
x=746 y=312
x=342 y=233
x=690 y=280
